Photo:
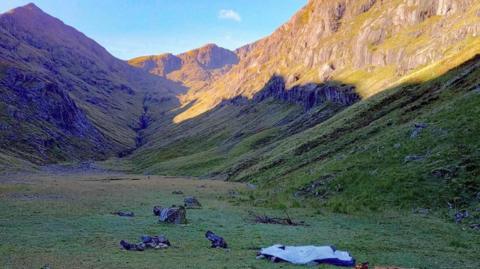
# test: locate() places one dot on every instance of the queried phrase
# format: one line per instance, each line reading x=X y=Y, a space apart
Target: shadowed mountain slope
x=414 y=145
x=63 y=96
x=351 y=105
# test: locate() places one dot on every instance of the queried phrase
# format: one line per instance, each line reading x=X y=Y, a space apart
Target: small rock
x=460 y=215
x=251 y=186
x=177 y=192
x=46 y=266
x=442 y=173
x=418 y=128
x=191 y=202
x=217 y=241
x=475 y=226
x=397 y=146
x=421 y=211
x=124 y=214
x=413 y=158
x=153 y=242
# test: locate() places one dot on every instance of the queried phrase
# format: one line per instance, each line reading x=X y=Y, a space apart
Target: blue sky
x=130 y=28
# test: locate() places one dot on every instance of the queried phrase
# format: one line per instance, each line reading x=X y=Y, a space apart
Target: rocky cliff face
x=63 y=96
x=371 y=44
x=308 y=96
x=195 y=69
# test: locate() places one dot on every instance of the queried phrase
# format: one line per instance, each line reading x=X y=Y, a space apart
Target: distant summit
x=195 y=68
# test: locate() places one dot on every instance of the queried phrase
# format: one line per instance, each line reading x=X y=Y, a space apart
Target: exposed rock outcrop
x=370 y=44
x=309 y=95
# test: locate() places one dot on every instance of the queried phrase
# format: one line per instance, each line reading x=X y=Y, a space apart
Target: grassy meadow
x=65 y=221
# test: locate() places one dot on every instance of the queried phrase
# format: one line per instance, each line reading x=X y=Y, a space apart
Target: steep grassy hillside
x=414 y=145
x=63 y=96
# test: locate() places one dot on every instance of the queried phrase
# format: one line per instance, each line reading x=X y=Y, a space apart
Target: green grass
x=64 y=221
x=362 y=149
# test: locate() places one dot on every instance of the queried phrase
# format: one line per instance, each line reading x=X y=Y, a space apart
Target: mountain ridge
x=195 y=68
x=364 y=101
x=371 y=44
x=60 y=87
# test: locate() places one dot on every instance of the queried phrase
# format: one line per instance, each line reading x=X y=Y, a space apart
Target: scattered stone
x=124 y=214
x=233 y=193
x=192 y=203
x=443 y=173
x=217 y=241
x=318 y=188
x=173 y=215
x=156 y=210
x=413 y=158
x=133 y=247
x=475 y=226
x=418 y=128
x=363 y=265
x=421 y=211
x=177 y=192
x=460 y=215
x=153 y=242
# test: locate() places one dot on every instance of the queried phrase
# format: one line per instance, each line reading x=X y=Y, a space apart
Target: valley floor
x=64 y=220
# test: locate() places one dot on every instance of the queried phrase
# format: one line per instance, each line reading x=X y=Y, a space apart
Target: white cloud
x=229 y=14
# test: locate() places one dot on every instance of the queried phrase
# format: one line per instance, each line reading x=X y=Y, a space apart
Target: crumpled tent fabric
x=308 y=255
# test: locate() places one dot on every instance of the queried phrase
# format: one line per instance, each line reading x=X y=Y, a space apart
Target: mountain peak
x=209 y=46
x=30 y=8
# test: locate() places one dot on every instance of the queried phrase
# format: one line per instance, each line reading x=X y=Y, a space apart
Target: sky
x=132 y=28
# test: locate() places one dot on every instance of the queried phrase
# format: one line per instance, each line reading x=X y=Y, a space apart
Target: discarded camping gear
x=307 y=255
x=124 y=214
x=153 y=242
x=217 y=241
x=173 y=215
x=191 y=202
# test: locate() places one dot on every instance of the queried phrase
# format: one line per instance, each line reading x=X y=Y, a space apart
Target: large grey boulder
x=173 y=215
